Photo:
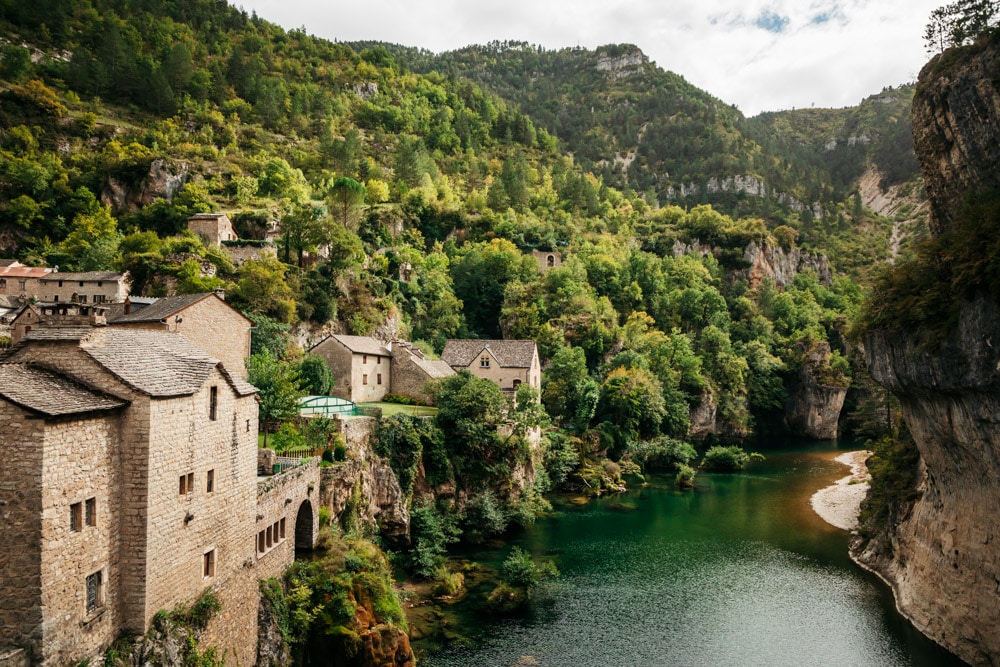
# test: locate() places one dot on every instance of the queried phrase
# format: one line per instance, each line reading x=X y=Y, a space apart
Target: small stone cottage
x=509 y=363
x=360 y=366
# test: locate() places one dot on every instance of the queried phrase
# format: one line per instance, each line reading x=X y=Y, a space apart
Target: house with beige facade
x=63 y=314
x=509 y=363
x=129 y=479
x=412 y=370
x=360 y=366
x=17 y=279
x=85 y=287
x=205 y=319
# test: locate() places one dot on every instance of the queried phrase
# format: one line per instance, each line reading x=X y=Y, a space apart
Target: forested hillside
x=426 y=181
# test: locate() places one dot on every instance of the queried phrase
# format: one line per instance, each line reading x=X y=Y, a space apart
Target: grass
x=389 y=409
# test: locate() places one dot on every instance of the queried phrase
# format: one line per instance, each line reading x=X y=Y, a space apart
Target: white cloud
x=761 y=55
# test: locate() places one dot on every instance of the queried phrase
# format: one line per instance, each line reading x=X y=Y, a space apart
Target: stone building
x=547 y=260
x=205 y=319
x=34 y=315
x=19 y=280
x=213 y=228
x=130 y=483
x=506 y=362
x=411 y=370
x=86 y=287
x=360 y=366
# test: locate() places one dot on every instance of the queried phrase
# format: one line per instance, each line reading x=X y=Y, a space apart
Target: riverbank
x=840 y=503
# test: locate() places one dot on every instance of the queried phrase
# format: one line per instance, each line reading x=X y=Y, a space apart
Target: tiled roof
x=24 y=271
x=87 y=276
x=362 y=345
x=49 y=393
x=508 y=353
x=163 y=308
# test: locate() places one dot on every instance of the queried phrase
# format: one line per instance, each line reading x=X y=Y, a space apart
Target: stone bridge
x=287 y=516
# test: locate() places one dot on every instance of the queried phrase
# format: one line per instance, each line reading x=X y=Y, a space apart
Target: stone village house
x=129 y=485
x=509 y=363
x=365 y=369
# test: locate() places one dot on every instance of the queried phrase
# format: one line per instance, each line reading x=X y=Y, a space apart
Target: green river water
x=739 y=571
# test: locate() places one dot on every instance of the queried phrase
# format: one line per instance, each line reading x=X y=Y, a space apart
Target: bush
x=662 y=454
x=728 y=459
x=685 y=476
x=484 y=517
x=893 y=467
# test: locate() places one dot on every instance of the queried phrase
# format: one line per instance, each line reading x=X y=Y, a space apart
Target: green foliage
x=430 y=533
x=278 y=382
x=732 y=458
x=315 y=377
x=520 y=576
x=630 y=406
x=959 y=23
x=685 y=476
x=894 y=470
x=662 y=453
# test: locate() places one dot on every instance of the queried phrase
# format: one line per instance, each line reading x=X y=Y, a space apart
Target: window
x=83 y=298
x=364 y=358
x=76 y=517
x=60 y=283
x=95 y=591
x=100 y=298
x=551 y=261
x=186 y=485
x=281 y=526
x=378 y=360
x=56 y=298
x=484 y=361
x=91 y=511
x=213 y=403
x=516 y=384
x=22 y=284
x=210 y=482
x=3 y=282
x=261 y=545
x=270 y=537
x=81 y=283
x=379 y=378
x=208 y=564
x=364 y=378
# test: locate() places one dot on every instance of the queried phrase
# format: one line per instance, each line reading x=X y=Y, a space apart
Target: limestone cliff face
x=956 y=127
x=765 y=260
x=164 y=180
x=381 y=500
x=814 y=399
x=943 y=560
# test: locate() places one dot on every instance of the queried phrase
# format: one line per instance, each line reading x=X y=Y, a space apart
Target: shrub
x=662 y=454
x=893 y=467
x=685 y=476
x=728 y=459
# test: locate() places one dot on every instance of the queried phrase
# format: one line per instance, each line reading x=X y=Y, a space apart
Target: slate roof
x=157 y=363
x=162 y=308
x=87 y=276
x=460 y=353
x=51 y=394
x=435 y=368
x=361 y=344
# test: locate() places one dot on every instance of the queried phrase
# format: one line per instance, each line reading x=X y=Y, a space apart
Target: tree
x=261 y=289
x=631 y=407
x=958 y=23
x=278 y=382
x=346 y=197
x=315 y=376
x=568 y=392
x=304 y=230
x=481 y=276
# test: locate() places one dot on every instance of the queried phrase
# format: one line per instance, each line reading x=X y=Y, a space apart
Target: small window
x=60 y=283
x=261 y=545
x=22 y=284
x=208 y=564
x=270 y=537
x=210 y=482
x=95 y=592
x=551 y=261
x=186 y=485
x=213 y=403
x=91 y=511
x=3 y=282
x=81 y=283
x=378 y=360
x=76 y=517
x=281 y=528
x=379 y=378
x=484 y=362
x=56 y=298
x=364 y=358
x=83 y=298
x=364 y=378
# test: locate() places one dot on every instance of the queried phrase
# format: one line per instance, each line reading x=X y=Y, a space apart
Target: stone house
x=129 y=454
x=19 y=280
x=509 y=363
x=360 y=366
x=86 y=287
x=411 y=370
x=547 y=260
x=213 y=228
x=35 y=315
x=205 y=319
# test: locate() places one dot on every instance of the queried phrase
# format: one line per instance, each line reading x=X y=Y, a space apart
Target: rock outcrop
x=164 y=180
x=367 y=483
x=956 y=118
x=780 y=265
x=943 y=560
x=815 y=398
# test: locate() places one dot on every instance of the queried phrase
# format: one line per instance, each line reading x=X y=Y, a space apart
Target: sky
x=761 y=55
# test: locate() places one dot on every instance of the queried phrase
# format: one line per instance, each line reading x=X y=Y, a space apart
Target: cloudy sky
x=762 y=55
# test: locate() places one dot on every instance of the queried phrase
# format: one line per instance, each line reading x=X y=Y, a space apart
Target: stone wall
x=504 y=377
x=356 y=376
x=219 y=330
x=241 y=254
x=408 y=378
x=21 y=515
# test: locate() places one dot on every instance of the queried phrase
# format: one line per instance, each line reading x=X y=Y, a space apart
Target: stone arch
x=550 y=261
x=306 y=525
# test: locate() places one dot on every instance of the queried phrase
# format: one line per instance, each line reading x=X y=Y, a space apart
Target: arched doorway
x=305 y=527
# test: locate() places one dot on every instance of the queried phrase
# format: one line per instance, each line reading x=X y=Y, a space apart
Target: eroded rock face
x=943 y=560
x=956 y=127
x=164 y=180
x=381 y=500
x=814 y=404
x=780 y=265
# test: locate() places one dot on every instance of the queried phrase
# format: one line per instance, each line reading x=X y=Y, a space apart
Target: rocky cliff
x=815 y=397
x=943 y=558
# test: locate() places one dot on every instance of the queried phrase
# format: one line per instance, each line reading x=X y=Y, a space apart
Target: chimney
x=221 y=293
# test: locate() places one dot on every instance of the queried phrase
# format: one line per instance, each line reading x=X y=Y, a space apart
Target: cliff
x=815 y=397
x=943 y=557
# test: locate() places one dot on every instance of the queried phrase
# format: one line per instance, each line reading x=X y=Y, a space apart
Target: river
x=739 y=571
